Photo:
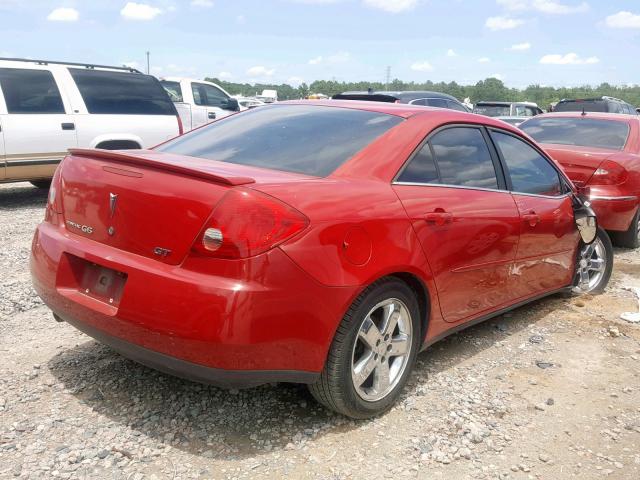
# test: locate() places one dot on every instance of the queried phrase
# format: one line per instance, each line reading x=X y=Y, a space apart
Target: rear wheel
x=630 y=238
x=373 y=351
x=43 y=184
x=594 y=265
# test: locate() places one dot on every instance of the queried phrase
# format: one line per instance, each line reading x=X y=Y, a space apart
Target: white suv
x=48 y=107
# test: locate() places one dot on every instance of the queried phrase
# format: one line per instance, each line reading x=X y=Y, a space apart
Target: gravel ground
x=548 y=391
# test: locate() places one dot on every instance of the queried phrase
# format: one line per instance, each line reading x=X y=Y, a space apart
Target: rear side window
x=304 y=139
x=437 y=102
x=456 y=106
x=583 y=132
x=421 y=169
x=122 y=93
x=530 y=172
x=463 y=158
x=30 y=91
x=174 y=90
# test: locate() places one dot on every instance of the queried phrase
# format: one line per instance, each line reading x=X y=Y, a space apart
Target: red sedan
x=316 y=242
x=600 y=151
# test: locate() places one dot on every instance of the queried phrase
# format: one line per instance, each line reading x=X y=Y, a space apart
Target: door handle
x=438 y=218
x=68 y=126
x=212 y=115
x=532 y=218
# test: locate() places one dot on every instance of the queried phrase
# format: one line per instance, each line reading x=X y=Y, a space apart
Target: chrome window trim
x=613 y=198
x=418 y=184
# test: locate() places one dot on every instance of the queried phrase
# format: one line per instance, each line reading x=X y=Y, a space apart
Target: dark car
x=601 y=104
x=425 y=98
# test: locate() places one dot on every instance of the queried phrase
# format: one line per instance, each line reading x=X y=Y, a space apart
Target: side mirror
x=231 y=104
x=586 y=222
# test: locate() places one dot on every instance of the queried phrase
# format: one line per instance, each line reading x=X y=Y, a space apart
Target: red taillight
x=608 y=173
x=180 y=127
x=246 y=223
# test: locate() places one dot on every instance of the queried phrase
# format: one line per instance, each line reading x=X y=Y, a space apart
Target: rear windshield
x=174 y=90
x=583 y=132
x=580 y=105
x=122 y=93
x=295 y=138
x=493 y=110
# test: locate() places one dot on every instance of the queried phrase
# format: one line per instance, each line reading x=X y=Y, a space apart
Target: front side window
x=582 y=132
x=311 y=140
x=30 y=91
x=463 y=158
x=437 y=102
x=106 y=92
x=456 y=106
x=530 y=172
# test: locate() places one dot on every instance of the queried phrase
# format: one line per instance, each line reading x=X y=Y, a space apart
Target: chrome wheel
x=592 y=265
x=381 y=350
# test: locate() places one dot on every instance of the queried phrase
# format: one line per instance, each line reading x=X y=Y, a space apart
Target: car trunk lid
x=579 y=163
x=144 y=202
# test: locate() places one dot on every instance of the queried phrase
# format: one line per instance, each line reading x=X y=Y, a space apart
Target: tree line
x=489 y=89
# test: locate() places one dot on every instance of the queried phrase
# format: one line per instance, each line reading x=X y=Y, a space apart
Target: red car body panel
x=278 y=311
x=615 y=204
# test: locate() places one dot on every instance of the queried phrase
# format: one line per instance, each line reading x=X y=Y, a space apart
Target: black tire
x=43 y=184
x=335 y=389
x=630 y=238
x=601 y=284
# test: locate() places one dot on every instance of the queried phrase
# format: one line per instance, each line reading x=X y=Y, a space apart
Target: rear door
x=454 y=192
x=38 y=127
x=548 y=236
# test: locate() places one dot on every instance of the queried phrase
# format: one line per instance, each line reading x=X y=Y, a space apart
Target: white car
x=48 y=107
x=199 y=102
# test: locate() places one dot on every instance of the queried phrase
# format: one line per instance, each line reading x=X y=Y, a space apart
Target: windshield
x=304 y=139
x=493 y=110
x=583 y=132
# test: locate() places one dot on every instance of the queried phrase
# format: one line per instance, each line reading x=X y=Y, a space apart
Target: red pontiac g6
x=316 y=242
x=600 y=151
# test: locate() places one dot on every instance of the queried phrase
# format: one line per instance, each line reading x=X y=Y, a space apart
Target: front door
x=467 y=223
x=208 y=100
x=37 y=129
x=548 y=236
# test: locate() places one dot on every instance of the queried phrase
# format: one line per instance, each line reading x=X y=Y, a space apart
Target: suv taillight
x=608 y=173
x=54 y=206
x=246 y=223
x=180 y=127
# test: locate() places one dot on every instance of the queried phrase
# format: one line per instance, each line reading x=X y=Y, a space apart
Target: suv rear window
x=493 y=110
x=586 y=105
x=295 y=138
x=583 y=132
x=122 y=93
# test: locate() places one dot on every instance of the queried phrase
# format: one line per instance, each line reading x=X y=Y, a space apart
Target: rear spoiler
x=374 y=97
x=193 y=167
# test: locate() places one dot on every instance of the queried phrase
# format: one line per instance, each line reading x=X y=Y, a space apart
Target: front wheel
x=594 y=265
x=373 y=351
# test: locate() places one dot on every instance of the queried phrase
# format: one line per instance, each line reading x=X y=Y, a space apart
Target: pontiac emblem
x=113 y=202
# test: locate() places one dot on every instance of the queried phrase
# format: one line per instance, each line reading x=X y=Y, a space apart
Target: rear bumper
x=192 y=371
x=614 y=209
x=224 y=322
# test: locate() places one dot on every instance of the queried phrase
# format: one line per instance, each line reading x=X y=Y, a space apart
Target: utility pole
x=388 y=78
x=147 y=62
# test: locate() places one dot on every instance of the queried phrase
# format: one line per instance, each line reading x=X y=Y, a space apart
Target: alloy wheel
x=591 y=267
x=381 y=350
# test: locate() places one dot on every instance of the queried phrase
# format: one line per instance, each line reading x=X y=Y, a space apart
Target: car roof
x=488 y=102
x=413 y=94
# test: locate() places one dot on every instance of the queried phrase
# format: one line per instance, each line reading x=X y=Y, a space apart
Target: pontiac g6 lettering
x=83 y=228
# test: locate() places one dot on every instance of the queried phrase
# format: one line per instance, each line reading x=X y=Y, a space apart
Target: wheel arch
x=422 y=296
